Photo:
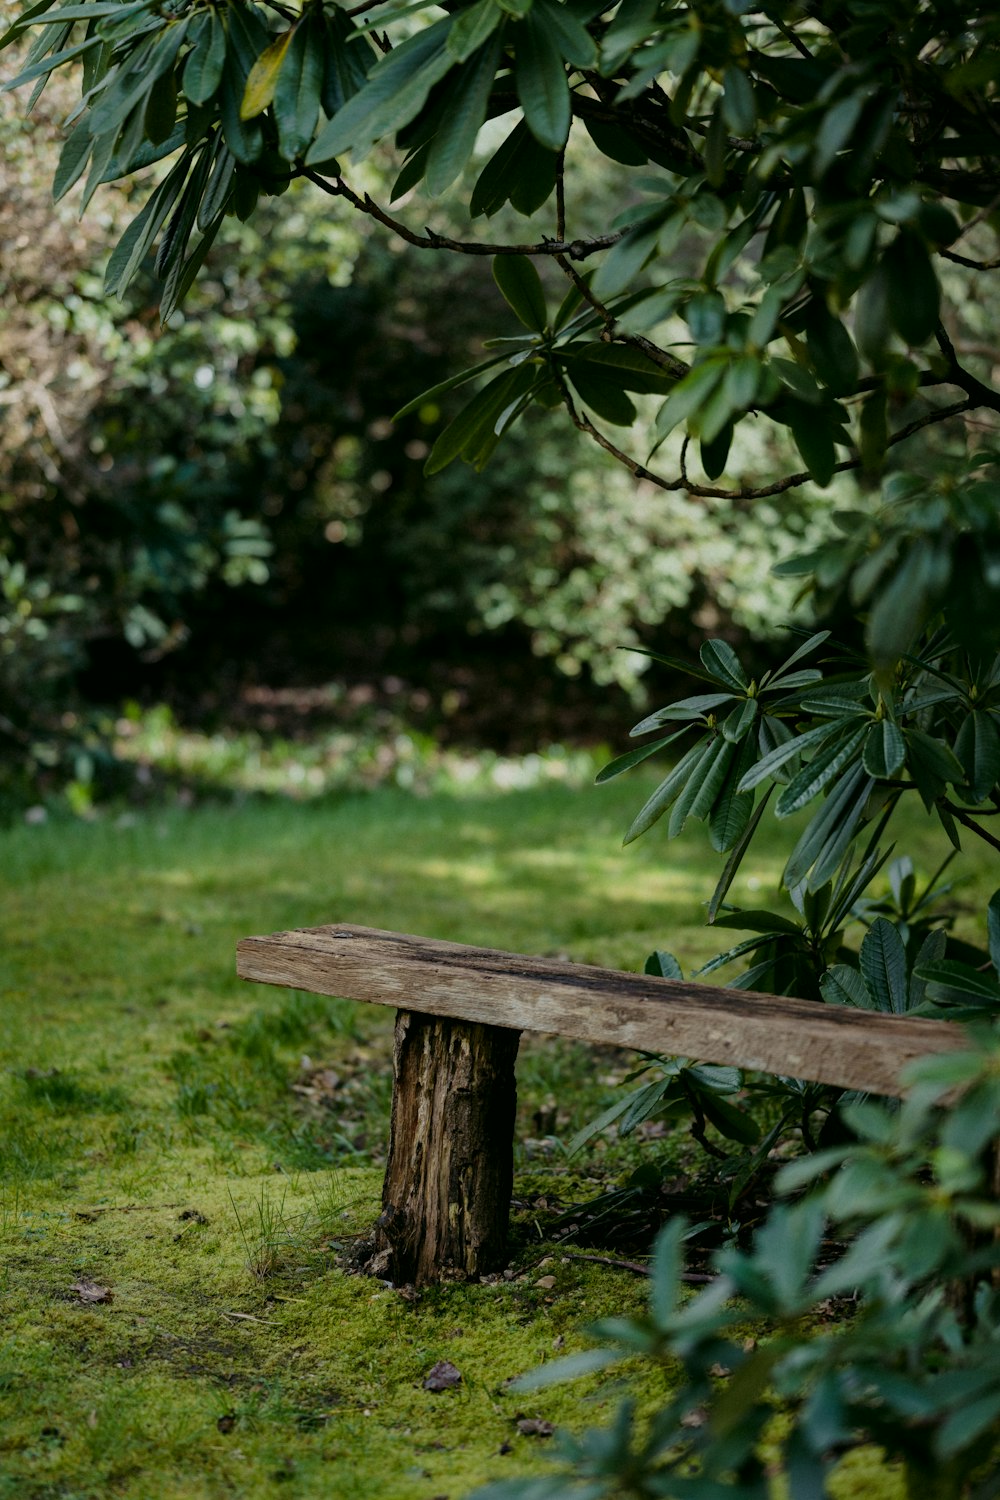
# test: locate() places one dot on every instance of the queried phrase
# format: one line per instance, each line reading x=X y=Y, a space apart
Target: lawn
x=186 y=1158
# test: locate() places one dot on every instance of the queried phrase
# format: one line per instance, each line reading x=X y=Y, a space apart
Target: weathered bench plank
x=797 y=1038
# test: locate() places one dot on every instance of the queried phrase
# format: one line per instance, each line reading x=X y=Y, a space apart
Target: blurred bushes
x=228 y=498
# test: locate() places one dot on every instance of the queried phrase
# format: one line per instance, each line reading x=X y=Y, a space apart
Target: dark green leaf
x=180 y=277
x=824 y=767
x=465 y=108
x=630 y=367
x=687 y=396
x=603 y=394
x=841 y=985
x=625 y=260
x=836 y=129
x=735 y=1124
x=715 y=451
x=203 y=68
x=732 y=865
x=663 y=966
x=521 y=288
x=697 y=707
x=715 y=146
x=161 y=108
x=805 y=649
x=468 y=433
x=394 y=92
x=138 y=238
x=540 y=77
x=932 y=765
x=720 y=661
x=665 y=1268
x=840 y=823
x=883 y=964
x=703 y=785
x=472 y=28
x=814 y=429
x=871 y=319
x=978 y=749
x=219 y=188
x=873 y=430
x=615 y=142
x=431 y=395
x=829 y=834
x=904 y=603
x=32 y=13
x=776 y=758
x=759 y=921
x=831 y=350
x=569 y=1367
x=47 y=64
x=666 y=793
x=73 y=159
x=521 y=172
x=244 y=138
x=885 y=749
x=993 y=929
x=737 y=101
x=932 y=950
x=951 y=975
x=573 y=40
x=914 y=297
x=299 y=86
x=348 y=59
x=742 y=719
x=634 y=757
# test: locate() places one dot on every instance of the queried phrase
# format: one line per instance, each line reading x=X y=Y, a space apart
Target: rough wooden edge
x=770 y=1034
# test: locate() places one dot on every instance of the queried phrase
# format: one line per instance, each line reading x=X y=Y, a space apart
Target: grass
x=204 y=1151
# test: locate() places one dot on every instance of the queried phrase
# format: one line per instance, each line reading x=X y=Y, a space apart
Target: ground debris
x=90 y=1291
x=534 y=1427
x=442 y=1377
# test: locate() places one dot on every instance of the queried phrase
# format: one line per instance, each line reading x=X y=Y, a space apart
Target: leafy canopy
x=811 y=168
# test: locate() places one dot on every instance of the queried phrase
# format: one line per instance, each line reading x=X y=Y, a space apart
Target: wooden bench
x=461 y=1010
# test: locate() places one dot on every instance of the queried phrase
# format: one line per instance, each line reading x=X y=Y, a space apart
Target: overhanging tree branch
x=577 y=249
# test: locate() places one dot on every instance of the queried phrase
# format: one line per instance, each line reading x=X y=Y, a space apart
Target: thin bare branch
x=561 y=196
x=749 y=492
x=974 y=265
x=968 y=821
x=978 y=393
x=613 y=331
x=431 y=240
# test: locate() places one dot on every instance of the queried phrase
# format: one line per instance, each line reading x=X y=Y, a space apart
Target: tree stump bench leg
x=449 y=1175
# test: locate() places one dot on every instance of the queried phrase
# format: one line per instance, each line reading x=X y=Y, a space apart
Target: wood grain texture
x=450 y=1168
x=769 y=1034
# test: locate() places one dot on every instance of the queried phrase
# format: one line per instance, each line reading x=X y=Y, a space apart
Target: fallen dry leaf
x=89 y=1291
x=442 y=1377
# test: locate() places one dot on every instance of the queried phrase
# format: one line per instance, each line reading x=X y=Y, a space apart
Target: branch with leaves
x=807 y=173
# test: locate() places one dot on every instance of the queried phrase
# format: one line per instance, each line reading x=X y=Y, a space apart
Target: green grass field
x=185 y=1157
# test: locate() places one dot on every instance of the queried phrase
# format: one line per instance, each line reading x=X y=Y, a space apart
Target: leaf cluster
x=819 y=166
x=914 y=1369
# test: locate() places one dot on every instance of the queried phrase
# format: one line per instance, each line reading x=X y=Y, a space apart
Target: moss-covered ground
x=185 y=1159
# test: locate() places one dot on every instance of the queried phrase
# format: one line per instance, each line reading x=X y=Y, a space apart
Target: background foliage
x=788 y=272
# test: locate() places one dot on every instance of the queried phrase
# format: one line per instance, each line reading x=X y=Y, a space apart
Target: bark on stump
x=448 y=1179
